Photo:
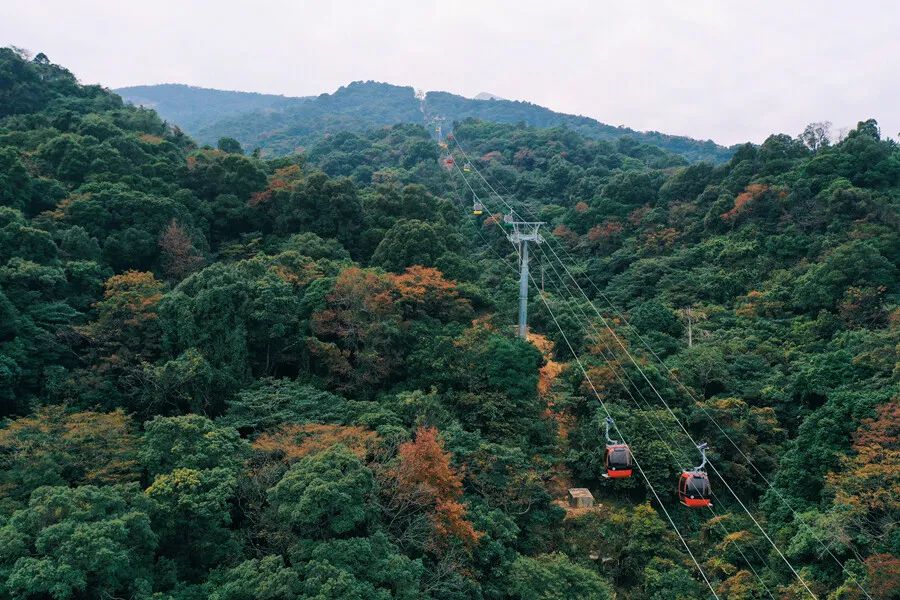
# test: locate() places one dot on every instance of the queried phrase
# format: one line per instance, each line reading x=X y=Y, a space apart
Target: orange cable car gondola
x=693 y=485
x=617 y=458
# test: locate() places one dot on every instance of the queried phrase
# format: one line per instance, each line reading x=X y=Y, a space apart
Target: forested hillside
x=279 y=125
x=230 y=377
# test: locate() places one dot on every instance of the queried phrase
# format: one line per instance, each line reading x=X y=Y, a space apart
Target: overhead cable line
x=672 y=374
x=621 y=436
x=637 y=463
x=643 y=374
x=683 y=428
x=612 y=361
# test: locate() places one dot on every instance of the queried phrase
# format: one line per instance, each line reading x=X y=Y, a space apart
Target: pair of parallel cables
x=564 y=274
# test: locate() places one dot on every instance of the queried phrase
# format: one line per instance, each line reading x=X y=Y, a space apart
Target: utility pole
x=438 y=124
x=691 y=316
x=690 y=320
x=522 y=233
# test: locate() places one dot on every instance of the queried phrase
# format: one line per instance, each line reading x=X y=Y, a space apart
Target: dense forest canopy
x=231 y=377
x=282 y=125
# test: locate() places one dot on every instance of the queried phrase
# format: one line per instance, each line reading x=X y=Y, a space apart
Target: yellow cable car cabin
x=477 y=209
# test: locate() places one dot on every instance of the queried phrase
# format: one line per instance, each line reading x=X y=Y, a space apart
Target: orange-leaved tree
x=424 y=290
x=867 y=483
x=291 y=442
x=179 y=256
x=356 y=331
x=126 y=325
x=424 y=481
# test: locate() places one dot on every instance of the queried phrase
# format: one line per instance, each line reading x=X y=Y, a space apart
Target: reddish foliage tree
x=608 y=230
x=126 y=317
x=566 y=234
x=425 y=289
x=524 y=158
x=867 y=481
x=53 y=447
x=868 y=486
x=606 y=234
x=663 y=239
x=124 y=336
x=425 y=478
x=636 y=216
x=599 y=377
x=285 y=178
x=743 y=200
x=179 y=256
x=884 y=576
x=863 y=307
x=354 y=334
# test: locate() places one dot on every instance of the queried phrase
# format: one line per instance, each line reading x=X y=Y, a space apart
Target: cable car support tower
x=523 y=233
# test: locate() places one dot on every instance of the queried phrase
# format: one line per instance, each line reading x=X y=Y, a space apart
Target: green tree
x=55 y=447
x=272 y=402
x=190 y=442
x=409 y=242
x=325 y=494
x=664 y=579
x=371 y=567
x=83 y=542
x=191 y=513
x=229 y=145
x=555 y=577
x=15 y=182
x=258 y=579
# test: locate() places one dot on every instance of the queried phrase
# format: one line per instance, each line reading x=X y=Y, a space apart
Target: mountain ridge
x=283 y=124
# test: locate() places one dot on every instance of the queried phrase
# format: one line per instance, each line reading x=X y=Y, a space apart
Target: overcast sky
x=729 y=71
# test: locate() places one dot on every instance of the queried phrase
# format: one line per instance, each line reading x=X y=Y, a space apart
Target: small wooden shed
x=580 y=498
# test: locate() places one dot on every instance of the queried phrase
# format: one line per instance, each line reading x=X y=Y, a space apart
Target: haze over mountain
x=193 y=107
x=280 y=125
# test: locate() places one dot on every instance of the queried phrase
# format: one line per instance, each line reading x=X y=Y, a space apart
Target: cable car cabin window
x=618 y=462
x=697 y=487
x=693 y=489
x=618 y=457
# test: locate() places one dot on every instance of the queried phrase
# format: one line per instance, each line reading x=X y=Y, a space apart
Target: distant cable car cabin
x=477 y=208
x=693 y=486
x=467 y=168
x=617 y=458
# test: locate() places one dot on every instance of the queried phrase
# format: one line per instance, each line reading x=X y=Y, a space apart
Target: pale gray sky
x=730 y=71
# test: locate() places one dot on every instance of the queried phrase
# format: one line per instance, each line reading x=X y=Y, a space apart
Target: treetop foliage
x=225 y=375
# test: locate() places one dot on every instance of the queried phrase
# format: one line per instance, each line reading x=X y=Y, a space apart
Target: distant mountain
x=488 y=96
x=193 y=108
x=280 y=124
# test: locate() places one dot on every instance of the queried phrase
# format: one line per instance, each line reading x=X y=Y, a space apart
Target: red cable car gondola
x=693 y=485
x=617 y=457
